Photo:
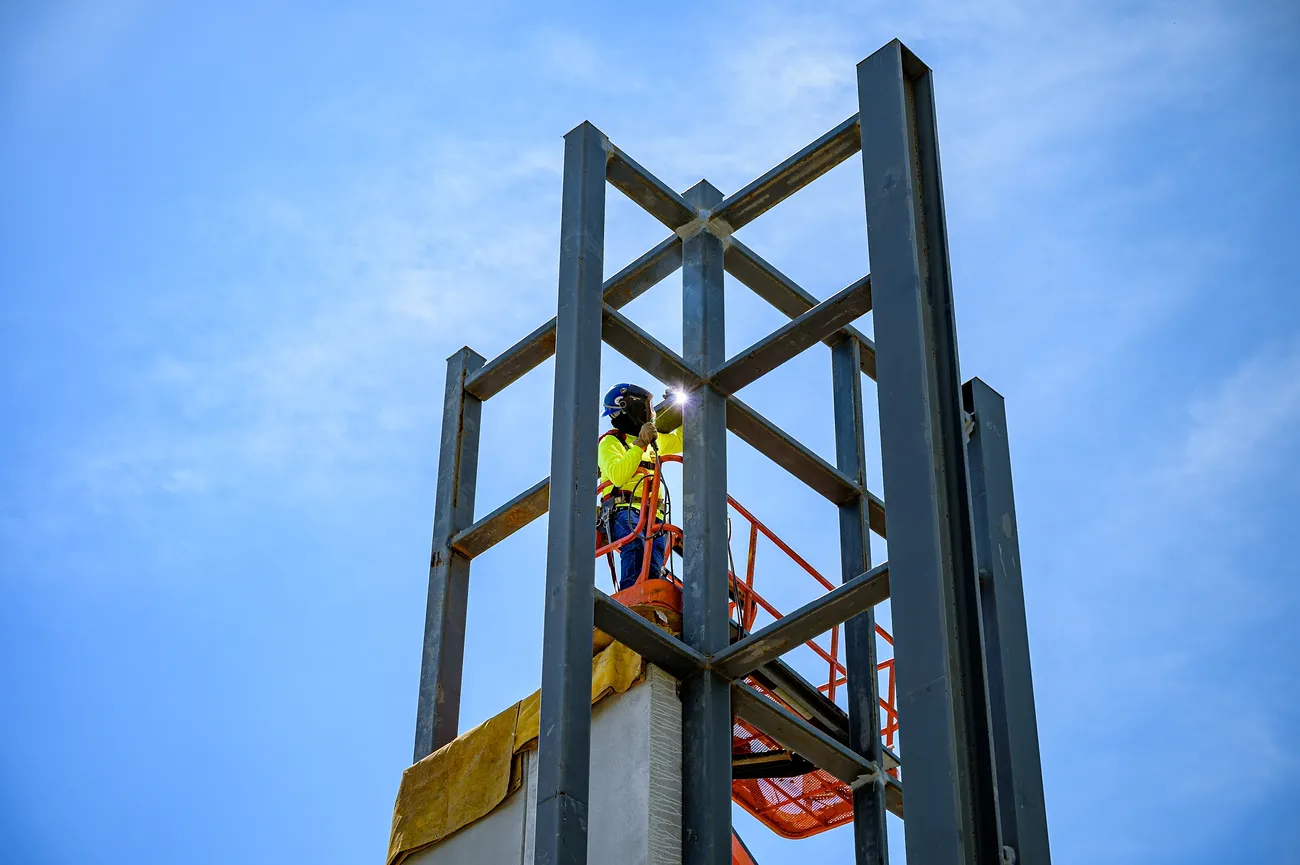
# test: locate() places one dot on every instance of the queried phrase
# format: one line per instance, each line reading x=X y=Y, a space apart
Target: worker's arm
x=617 y=464
x=670 y=442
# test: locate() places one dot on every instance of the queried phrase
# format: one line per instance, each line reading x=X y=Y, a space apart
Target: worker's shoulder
x=612 y=441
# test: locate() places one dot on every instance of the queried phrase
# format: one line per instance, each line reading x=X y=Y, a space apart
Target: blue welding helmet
x=628 y=406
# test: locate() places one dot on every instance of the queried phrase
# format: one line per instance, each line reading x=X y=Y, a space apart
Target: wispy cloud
x=1159 y=616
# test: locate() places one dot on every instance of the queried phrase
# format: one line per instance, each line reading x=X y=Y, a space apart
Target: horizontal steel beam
x=533 y=503
x=783 y=293
x=659 y=200
x=788 y=341
x=770 y=440
x=798 y=692
x=769 y=764
x=894 y=796
x=770 y=189
x=619 y=290
x=645 y=351
x=876 y=514
x=504 y=521
x=647 y=640
x=831 y=609
x=797 y=735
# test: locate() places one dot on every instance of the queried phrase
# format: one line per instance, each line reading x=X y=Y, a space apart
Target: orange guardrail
x=794 y=807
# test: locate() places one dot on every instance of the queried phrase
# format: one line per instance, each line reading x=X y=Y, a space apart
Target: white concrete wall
x=636 y=791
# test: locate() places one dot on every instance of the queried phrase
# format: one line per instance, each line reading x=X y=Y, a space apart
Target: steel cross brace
x=687 y=216
x=661 y=260
x=756 y=650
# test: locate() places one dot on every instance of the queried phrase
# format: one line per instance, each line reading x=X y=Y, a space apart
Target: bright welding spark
x=680 y=397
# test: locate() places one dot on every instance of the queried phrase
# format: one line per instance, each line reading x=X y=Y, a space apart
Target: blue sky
x=238 y=243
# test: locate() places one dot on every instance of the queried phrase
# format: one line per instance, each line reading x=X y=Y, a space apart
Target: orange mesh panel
x=797 y=807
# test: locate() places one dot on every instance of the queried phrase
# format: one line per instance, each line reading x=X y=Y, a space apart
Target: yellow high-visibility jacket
x=619 y=462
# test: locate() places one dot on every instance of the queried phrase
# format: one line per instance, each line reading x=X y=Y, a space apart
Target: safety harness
x=620 y=496
x=616 y=497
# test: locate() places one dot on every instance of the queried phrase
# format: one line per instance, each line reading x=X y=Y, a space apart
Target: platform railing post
x=564 y=748
x=706 y=696
x=437 y=713
x=950 y=792
x=870 y=841
x=1006 y=635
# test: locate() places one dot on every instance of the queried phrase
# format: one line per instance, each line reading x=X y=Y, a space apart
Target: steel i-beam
x=564 y=747
x=942 y=699
x=706 y=697
x=437 y=711
x=870 y=841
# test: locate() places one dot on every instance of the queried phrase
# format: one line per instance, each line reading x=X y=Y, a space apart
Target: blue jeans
x=631 y=554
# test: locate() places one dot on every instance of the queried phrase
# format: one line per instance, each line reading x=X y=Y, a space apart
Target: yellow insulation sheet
x=465 y=779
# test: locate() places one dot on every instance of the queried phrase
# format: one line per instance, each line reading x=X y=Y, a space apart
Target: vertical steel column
x=706 y=697
x=564 y=749
x=942 y=699
x=438 y=707
x=1006 y=635
x=870 y=842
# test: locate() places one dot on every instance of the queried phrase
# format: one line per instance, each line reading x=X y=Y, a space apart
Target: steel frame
x=965 y=691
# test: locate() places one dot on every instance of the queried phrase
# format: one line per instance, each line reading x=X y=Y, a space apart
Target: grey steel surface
x=534 y=501
x=706 y=697
x=563 y=778
x=951 y=801
x=783 y=293
x=798 y=627
x=504 y=521
x=772 y=187
x=1006 y=636
x=792 y=732
x=771 y=441
x=801 y=695
x=947 y=704
x=619 y=290
x=790 y=340
x=658 y=199
x=650 y=642
x=644 y=350
x=442 y=661
x=869 y=835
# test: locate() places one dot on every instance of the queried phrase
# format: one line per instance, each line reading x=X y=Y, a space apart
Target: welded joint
x=718 y=227
x=688 y=230
x=873 y=778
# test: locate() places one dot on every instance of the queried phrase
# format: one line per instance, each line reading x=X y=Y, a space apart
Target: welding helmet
x=628 y=406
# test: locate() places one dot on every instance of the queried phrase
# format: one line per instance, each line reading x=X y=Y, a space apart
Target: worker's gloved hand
x=647 y=436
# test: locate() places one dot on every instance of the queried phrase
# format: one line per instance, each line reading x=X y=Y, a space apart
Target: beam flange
x=706 y=697
x=650 y=642
x=782 y=292
x=564 y=743
x=622 y=288
x=772 y=187
x=797 y=735
x=794 y=690
x=644 y=350
x=769 y=643
x=789 y=340
x=442 y=662
x=658 y=199
x=504 y=521
x=941 y=685
x=767 y=438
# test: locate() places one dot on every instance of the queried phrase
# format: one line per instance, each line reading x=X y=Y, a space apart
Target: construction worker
x=621 y=453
